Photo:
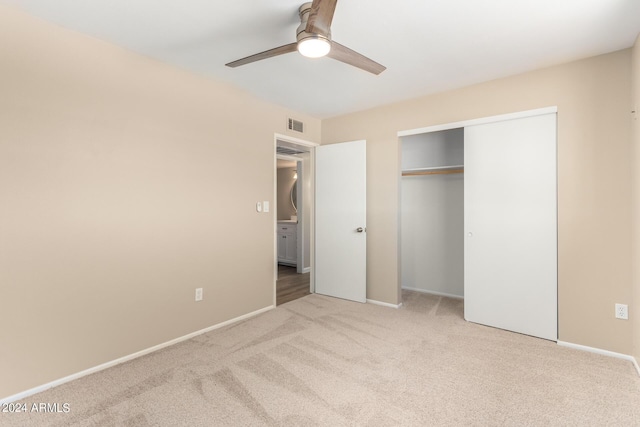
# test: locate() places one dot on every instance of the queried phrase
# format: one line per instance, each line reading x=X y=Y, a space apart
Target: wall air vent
x=288 y=151
x=296 y=125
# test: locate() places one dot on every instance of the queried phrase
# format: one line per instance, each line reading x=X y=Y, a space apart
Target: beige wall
x=115 y=202
x=634 y=308
x=594 y=180
x=285 y=183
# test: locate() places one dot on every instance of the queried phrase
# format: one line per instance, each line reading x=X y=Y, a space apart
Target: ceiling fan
x=313 y=39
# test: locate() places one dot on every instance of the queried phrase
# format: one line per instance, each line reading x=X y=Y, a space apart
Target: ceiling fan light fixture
x=313 y=40
x=314 y=47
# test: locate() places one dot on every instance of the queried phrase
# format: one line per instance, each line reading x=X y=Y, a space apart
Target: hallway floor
x=291 y=285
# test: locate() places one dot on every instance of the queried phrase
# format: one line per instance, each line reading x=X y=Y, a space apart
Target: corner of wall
x=635 y=168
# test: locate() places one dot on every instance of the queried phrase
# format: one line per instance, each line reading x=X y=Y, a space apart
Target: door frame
x=479 y=121
x=310 y=146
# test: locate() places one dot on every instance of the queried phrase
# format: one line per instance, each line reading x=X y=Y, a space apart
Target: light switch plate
x=259 y=207
x=265 y=206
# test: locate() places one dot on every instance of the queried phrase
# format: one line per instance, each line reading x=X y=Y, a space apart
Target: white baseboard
x=441 y=294
x=384 y=304
x=287 y=263
x=127 y=358
x=602 y=352
x=306 y=270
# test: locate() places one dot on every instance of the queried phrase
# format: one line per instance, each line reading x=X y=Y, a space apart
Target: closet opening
x=479 y=218
x=432 y=213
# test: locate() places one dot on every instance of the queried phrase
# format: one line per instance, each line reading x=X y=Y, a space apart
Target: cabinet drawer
x=287 y=228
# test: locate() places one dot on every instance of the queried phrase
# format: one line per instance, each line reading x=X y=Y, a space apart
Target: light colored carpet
x=320 y=361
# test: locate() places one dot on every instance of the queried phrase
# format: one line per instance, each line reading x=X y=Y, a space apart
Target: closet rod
x=432 y=172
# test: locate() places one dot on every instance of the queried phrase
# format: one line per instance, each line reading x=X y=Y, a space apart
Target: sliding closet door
x=510 y=220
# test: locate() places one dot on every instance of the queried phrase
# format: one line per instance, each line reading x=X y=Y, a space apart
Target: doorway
x=330 y=230
x=293 y=229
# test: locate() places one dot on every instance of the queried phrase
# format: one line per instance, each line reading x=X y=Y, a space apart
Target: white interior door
x=510 y=263
x=340 y=221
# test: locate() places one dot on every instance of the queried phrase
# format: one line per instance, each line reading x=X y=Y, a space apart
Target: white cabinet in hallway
x=287 y=246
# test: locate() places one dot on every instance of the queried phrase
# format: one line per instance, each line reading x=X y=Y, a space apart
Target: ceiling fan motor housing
x=301 y=33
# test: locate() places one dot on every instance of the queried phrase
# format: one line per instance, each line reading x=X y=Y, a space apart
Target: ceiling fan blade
x=320 y=17
x=287 y=48
x=351 y=57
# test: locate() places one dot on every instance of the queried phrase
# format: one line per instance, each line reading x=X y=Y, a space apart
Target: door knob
x=360 y=229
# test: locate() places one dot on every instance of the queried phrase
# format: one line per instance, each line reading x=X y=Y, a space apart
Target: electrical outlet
x=198 y=294
x=622 y=311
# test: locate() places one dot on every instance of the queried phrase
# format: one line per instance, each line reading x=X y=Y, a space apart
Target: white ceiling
x=427 y=46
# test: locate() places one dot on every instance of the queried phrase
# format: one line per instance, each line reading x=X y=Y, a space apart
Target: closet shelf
x=437 y=170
